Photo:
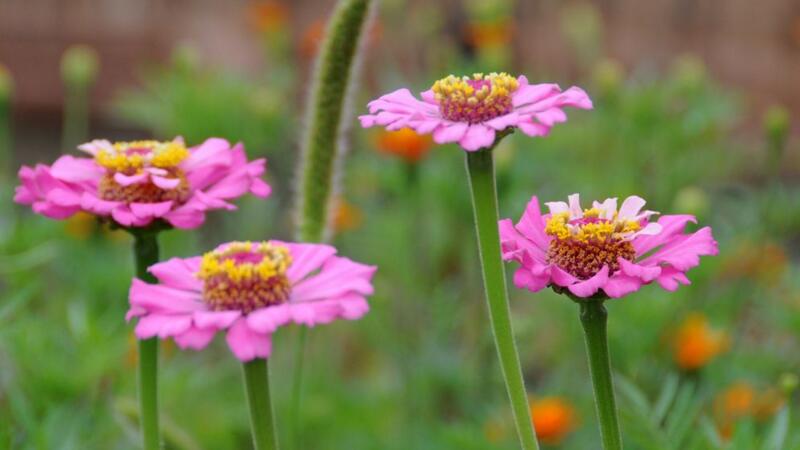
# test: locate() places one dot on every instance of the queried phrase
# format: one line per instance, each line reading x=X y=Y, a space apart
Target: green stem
x=480 y=169
x=145 y=249
x=262 y=423
x=593 y=319
x=297 y=391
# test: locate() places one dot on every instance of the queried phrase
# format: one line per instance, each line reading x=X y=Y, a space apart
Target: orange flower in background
x=696 y=343
x=490 y=34
x=405 y=144
x=741 y=400
x=312 y=37
x=553 y=418
x=268 y=16
x=346 y=216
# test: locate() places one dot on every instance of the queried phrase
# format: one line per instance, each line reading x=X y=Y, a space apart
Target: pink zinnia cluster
x=248 y=290
x=137 y=183
x=602 y=251
x=471 y=110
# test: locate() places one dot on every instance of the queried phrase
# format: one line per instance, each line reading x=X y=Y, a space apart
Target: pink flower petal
x=157 y=298
x=671 y=226
x=267 y=320
x=165 y=183
x=683 y=252
x=671 y=278
x=195 y=338
x=76 y=170
x=524 y=278
x=213 y=152
x=187 y=216
x=631 y=207
x=450 y=132
x=587 y=288
x=247 y=344
x=127 y=180
x=150 y=210
x=562 y=278
x=178 y=273
x=93 y=204
x=306 y=258
x=161 y=325
x=620 y=285
x=338 y=276
x=644 y=273
x=217 y=320
x=478 y=136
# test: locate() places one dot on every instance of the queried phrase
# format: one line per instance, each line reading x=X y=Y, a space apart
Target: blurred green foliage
x=419 y=371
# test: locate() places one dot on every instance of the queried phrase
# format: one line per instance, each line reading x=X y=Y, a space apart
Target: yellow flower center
x=131 y=157
x=582 y=246
x=475 y=99
x=245 y=276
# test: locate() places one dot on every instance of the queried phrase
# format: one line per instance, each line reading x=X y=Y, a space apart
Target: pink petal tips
x=601 y=251
x=137 y=183
x=471 y=110
x=248 y=290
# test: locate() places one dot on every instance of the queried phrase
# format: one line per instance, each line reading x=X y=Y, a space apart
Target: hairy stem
x=326 y=118
x=323 y=143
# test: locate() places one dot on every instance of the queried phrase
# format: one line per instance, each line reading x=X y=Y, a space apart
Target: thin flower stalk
x=480 y=170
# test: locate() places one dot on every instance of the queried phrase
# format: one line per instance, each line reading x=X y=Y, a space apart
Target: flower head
x=137 y=183
x=248 y=290
x=601 y=251
x=404 y=143
x=696 y=343
x=471 y=110
x=553 y=418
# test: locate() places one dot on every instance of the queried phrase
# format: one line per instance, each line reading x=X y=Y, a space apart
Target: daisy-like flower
x=472 y=110
x=248 y=290
x=601 y=251
x=137 y=183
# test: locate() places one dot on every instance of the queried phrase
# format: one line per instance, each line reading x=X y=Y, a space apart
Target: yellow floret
x=276 y=260
x=134 y=155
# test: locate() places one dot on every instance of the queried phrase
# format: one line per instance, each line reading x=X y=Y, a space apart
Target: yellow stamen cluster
x=275 y=259
x=583 y=246
x=557 y=225
x=475 y=99
x=600 y=230
x=245 y=276
x=131 y=157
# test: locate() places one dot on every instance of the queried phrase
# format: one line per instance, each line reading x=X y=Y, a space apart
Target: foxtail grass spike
x=323 y=144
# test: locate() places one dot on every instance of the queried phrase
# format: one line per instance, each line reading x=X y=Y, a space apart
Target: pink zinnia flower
x=471 y=110
x=601 y=251
x=249 y=290
x=137 y=183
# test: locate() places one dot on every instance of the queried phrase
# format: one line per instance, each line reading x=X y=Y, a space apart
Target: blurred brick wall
x=753 y=45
